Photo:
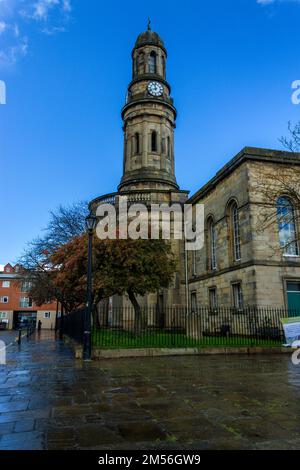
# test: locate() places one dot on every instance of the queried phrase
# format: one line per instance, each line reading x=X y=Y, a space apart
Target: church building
x=239 y=265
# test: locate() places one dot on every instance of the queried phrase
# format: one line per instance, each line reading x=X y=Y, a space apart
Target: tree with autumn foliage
x=56 y=264
x=65 y=223
x=135 y=267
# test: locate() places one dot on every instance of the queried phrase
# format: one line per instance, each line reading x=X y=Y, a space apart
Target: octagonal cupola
x=149 y=119
x=149 y=55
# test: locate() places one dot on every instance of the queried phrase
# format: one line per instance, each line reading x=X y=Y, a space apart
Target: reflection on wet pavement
x=50 y=401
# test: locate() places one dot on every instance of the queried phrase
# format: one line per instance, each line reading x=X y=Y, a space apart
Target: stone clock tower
x=148 y=177
x=149 y=120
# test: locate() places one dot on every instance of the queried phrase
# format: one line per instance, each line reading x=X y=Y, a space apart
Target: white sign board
x=291 y=327
x=2 y=353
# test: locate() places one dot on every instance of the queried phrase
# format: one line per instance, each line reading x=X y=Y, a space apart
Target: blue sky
x=67 y=63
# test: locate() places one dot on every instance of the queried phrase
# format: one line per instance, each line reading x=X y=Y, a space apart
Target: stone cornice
x=150 y=100
x=149 y=77
x=248 y=153
x=253 y=263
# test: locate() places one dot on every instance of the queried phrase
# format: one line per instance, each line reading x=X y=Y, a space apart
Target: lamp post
x=90 y=222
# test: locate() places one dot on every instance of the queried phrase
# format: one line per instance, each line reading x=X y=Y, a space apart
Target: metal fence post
x=20 y=336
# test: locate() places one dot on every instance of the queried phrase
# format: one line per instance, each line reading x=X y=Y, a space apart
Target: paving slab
x=50 y=400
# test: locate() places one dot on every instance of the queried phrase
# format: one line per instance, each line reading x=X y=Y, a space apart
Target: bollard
x=28 y=332
x=20 y=336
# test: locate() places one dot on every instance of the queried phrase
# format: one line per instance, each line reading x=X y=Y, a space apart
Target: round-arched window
x=287 y=226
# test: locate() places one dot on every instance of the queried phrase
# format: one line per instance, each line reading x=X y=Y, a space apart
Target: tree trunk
x=96 y=315
x=137 y=312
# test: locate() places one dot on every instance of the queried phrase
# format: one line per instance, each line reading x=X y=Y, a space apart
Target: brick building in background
x=16 y=307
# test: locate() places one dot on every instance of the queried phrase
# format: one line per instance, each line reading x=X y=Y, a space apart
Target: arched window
x=194 y=301
x=152 y=62
x=194 y=255
x=235 y=231
x=211 y=246
x=168 y=147
x=163 y=65
x=287 y=227
x=154 y=141
x=136 y=64
x=140 y=64
x=137 y=143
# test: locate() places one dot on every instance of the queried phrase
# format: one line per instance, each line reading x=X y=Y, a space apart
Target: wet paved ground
x=9 y=336
x=50 y=401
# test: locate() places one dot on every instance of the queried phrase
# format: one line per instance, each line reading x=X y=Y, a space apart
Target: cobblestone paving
x=50 y=401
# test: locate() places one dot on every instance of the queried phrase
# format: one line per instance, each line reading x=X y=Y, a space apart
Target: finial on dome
x=148 y=37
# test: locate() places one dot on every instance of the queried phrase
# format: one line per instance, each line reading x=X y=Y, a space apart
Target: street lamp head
x=91 y=222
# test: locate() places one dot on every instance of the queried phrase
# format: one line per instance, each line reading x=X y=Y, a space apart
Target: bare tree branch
x=292 y=143
x=65 y=224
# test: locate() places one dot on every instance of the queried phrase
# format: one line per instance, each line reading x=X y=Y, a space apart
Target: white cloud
x=52 y=11
x=42 y=8
x=50 y=31
x=10 y=54
x=265 y=2
x=16 y=30
x=2 y=27
x=67 y=5
x=17 y=17
x=270 y=2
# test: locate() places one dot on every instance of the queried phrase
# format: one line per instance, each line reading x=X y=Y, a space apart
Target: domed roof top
x=149 y=37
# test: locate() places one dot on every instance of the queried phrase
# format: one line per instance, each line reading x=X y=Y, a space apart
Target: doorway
x=293 y=296
x=24 y=319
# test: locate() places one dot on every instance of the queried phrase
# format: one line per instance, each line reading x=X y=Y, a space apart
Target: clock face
x=155 y=88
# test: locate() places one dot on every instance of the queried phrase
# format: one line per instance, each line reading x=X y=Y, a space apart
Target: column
x=145 y=146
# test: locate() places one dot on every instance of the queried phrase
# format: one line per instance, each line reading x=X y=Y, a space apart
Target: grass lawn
x=110 y=339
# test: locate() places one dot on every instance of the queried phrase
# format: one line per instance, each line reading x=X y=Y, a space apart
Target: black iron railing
x=73 y=325
x=176 y=327
x=179 y=327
